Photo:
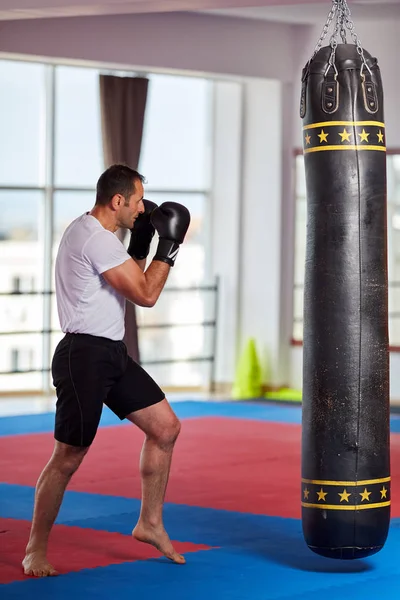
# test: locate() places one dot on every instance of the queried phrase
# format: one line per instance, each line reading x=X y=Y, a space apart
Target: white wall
x=260 y=233
x=226 y=206
x=246 y=219
x=287 y=239
x=182 y=41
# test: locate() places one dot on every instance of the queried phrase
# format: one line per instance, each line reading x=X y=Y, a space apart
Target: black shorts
x=89 y=371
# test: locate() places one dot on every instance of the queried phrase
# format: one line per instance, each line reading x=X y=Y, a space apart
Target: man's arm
x=126 y=278
x=141 y=263
x=171 y=220
x=142 y=288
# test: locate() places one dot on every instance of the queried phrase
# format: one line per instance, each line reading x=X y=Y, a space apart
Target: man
x=94 y=277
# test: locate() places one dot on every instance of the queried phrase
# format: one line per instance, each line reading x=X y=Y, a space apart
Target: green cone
x=248 y=378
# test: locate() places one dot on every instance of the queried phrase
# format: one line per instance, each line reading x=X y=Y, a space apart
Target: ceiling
x=312 y=13
x=287 y=11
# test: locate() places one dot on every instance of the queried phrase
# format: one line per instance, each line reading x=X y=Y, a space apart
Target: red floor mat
x=232 y=464
x=74 y=549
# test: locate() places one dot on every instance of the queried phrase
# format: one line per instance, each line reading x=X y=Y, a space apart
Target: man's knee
x=175 y=428
x=68 y=458
x=167 y=434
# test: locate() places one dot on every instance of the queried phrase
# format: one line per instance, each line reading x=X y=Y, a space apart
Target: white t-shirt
x=86 y=302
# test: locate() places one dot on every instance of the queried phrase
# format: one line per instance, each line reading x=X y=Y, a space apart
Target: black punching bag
x=345 y=492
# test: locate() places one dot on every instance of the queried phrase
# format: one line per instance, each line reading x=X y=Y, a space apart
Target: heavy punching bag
x=345 y=491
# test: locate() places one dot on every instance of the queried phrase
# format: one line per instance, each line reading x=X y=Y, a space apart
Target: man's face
x=132 y=207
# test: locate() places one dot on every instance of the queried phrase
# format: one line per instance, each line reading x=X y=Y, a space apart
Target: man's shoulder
x=87 y=227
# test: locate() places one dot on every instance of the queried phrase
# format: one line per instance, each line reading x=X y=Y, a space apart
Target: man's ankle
x=150 y=522
x=33 y=548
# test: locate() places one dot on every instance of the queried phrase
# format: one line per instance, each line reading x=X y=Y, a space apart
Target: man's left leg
x=161 y=427
x=49 y=493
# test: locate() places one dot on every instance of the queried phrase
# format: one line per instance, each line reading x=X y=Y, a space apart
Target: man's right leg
x=50 y=490
x=84 y=368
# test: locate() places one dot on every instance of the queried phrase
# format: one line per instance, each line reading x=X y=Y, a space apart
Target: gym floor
x=232 y=507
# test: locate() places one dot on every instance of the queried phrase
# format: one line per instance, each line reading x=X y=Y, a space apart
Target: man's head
x=121 y=189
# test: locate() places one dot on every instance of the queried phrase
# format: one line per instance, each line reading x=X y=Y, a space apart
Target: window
x=183 y=308
x=22 y=359
x=68 y=205
x=21 y=271
x=78 y=146
x=22 y=284
x=190 y=269
x=393 y=209
x=22 y=152
x=175 y=160
x=393 y=180
x=176 y=144
x=61 y=124
x=300 y=247
x=22 y=123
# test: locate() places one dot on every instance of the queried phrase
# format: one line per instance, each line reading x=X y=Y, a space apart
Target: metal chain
x=350 y=26
x=343 y=33
x=340 y=11
x=327 y=25
x=333 y=40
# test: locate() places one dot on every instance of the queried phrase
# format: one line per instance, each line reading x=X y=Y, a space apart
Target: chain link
x=340 y=11
x=333 y=41
x=343 y=33
x=327 y=25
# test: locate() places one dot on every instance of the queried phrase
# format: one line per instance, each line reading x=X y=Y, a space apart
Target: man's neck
x=102 y=214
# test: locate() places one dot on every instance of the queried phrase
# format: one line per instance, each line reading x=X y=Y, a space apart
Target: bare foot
x=37 y=565
x=159 y=538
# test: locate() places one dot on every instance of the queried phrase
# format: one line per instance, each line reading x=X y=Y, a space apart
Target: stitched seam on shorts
x=73 y=385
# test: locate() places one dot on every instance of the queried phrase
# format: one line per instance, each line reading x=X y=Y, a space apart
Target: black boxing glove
x=171 y=221
x=142 y=232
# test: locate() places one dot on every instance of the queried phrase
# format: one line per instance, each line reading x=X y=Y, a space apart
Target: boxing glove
x=142 y=232
x=171 y=221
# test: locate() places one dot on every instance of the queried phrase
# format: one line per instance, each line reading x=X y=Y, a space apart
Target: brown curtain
x=123 y=105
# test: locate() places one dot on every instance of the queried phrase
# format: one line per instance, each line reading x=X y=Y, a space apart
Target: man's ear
x=116 y=201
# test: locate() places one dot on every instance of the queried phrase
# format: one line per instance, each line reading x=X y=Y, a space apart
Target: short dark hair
x=117 y=179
